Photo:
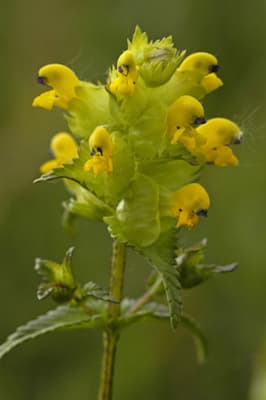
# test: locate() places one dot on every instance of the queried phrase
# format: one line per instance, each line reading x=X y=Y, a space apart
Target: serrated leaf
x=62 y=318
x=161 y=255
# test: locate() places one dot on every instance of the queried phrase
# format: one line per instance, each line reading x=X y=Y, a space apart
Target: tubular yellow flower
x=101 y=147
x=183 y=115
x=190 y=202
x=220 y=131
x=63 y=81
x=125 y=81
x=206 y=65
x=214 y=137
x=64 y=149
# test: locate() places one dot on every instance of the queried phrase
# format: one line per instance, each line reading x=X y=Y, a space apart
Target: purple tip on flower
x=237 y=140
x=214 y=68
x=199 y=121
x=202 y=212
x=41 y=80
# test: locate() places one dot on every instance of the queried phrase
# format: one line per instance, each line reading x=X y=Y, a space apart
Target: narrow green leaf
x=62 y=318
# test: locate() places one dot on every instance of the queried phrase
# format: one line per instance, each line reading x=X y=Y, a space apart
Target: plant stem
x=111 y=335
x=147 y=297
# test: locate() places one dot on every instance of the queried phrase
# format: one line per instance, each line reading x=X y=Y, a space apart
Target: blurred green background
x=152 y=362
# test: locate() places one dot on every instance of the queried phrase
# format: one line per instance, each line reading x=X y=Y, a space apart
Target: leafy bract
x=89 y=109
x=169 y=174
x=191 y=269
x=137 y=215
x=106 y=188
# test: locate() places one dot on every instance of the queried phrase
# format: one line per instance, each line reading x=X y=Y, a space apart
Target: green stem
x=111 y=335
x=147 y=297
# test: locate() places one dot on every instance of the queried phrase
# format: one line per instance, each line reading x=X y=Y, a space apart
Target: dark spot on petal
x=41 y=80
x=201 y=212
x=99 y=150
x=199 y=121
x=237 y=141
x=214 y=68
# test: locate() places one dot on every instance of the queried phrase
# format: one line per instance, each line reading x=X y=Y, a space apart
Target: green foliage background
x=152 y=362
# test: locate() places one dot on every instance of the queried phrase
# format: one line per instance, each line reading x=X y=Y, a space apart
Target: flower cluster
x=141 y=140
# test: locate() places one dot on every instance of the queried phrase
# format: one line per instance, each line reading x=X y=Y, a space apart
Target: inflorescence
x=141 y=139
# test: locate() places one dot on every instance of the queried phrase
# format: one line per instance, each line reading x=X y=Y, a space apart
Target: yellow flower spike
x=64 y=149
x=191 y=201
x=206 y=65
x=220 y=131
x=127 y=74
x=183 y=115
x=101 y=147
x=63 y=82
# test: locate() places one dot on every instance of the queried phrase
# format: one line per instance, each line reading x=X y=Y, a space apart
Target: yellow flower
x=220 y=131
x=64 y=149
x=220 y=156
x=218 y=134
x=126 y=75
x=189 y=203
x=183 y=115
x=206 y=65
x=101 y=147
x=63 y=82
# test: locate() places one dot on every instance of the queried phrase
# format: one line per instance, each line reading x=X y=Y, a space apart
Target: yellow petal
x=64 y=147
x=211 y=82
x=99 y=164
x=49 y=166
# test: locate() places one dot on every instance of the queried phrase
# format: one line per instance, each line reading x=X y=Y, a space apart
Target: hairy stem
x=111 y=335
